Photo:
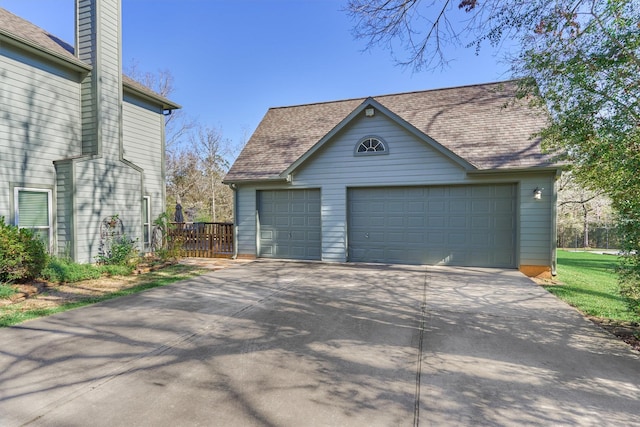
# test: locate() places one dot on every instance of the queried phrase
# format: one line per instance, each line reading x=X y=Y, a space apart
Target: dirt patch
x=41 y=295
x=629 y=332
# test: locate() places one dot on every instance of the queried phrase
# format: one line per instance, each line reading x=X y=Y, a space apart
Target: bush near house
x=22 y=256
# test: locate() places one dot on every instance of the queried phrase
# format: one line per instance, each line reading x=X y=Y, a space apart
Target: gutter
x=234 y=187
x=516 y=170
x=256 y=181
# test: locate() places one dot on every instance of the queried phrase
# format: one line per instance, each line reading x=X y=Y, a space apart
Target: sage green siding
x=64 y=210
x=143 y=146
x=69 y=130
x=39 y=122
x=335 y=168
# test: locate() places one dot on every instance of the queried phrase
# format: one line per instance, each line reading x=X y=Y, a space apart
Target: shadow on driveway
x=273 y=343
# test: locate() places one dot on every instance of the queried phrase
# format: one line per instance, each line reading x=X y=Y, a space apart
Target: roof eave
x=67 y=61
x=255 y=180
x=166 y=104
x=545 y=168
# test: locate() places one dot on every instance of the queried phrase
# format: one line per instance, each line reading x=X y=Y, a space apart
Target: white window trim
x=16 y=206
x=146 y=222
x=371 y=153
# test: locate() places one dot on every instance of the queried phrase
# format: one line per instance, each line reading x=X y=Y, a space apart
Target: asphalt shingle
x=483 y=124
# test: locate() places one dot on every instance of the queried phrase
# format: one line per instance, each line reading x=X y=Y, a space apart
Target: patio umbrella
x=179 y=217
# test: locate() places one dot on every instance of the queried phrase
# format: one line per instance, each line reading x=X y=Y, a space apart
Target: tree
x=197 y=158
x=580 y=59
x=581 y=210
x=212 y=151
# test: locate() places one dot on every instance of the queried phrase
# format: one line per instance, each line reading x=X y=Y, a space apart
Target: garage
x=465 y=225
x=289 y=224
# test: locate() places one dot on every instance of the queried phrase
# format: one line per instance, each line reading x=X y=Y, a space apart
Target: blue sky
x=233 y=59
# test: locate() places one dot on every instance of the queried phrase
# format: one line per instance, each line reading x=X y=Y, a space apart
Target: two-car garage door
x=472 y=225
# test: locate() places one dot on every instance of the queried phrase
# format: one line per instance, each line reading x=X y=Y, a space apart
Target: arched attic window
x=371 y=145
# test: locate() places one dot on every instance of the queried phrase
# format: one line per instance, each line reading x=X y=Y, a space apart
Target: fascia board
x=253 y=181
x=33 y=48
x=166 y=104
x=531 y=169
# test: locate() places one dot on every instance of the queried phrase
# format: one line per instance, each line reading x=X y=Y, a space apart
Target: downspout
x=234 y=187
x=554 y=225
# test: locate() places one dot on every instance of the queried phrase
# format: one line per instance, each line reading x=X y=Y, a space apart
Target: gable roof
x=18 y=31
x=483 y=125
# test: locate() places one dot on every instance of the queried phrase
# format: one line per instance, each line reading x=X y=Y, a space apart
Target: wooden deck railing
x=203 y=239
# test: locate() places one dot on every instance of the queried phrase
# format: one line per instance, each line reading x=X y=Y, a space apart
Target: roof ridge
x=362 y=98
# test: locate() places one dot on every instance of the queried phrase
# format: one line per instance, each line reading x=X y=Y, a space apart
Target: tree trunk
x=586 y=226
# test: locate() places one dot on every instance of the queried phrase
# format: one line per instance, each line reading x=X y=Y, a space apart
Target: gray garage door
x=289 y=224
x=451 y=225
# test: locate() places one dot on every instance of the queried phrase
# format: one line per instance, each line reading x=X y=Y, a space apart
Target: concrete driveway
x=291 y=344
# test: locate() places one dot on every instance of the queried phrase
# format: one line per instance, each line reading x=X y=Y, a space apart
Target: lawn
x=589 y=283
x=57 y=298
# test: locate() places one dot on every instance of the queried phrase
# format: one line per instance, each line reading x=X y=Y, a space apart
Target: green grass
x=589 y=283
x=6 y=290
x=16 y=313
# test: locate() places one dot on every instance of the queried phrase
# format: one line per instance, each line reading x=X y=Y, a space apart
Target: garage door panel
x=457 y=221
x=481 y=239
x=436 y=206
x=455 y=225
x=436 y=221
x=290 y=225
x=481 y=221
x=482 y=206
x=435 y=237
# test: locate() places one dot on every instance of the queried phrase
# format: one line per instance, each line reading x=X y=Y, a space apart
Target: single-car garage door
x=289 y=224
x=473 y=225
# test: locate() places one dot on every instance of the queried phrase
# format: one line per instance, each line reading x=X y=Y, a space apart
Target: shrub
x=167 y=244
x=6 y=291
x=121 y=251
x=22 y=256
x=63 y=270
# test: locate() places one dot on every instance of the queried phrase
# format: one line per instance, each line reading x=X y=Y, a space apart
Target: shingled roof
x=17 y=29
x=482 y=124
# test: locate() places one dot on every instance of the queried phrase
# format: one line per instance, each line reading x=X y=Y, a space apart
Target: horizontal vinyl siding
x=39 y=122
x=105 y=188
x=64 y=209
x=143 y=146
x=335 y=167
x=410 y=162
x=334 y=223
x=245 y=217
x=536 y=235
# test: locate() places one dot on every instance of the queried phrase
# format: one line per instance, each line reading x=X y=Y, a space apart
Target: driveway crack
x=421 y=328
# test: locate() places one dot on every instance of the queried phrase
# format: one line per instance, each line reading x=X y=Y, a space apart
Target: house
x=444 y=177
x=79 y=142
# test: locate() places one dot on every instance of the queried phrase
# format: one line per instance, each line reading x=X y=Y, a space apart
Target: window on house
x=33 y=211
x=146 y=221
x=371 y=145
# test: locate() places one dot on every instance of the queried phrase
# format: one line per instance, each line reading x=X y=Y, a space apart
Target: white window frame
x=146 y=222
x=367 y=139
x=16 y=206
